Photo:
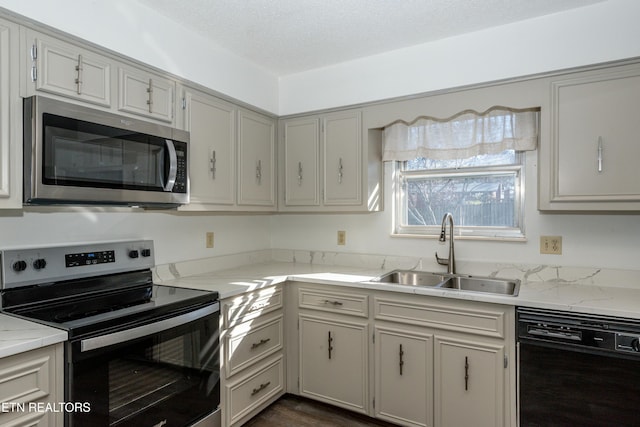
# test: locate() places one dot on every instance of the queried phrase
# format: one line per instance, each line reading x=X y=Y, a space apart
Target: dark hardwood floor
x=295 y=411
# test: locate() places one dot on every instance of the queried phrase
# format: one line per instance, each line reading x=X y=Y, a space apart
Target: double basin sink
x=458 y=282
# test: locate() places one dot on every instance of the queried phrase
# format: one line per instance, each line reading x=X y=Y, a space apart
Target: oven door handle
x=145 y=330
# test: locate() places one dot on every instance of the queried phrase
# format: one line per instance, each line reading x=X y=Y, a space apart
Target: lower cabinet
x=469 y=383
x=252 y=366
x=28 y=383
x=333 y=361
x=412 y=360
x=404 y=376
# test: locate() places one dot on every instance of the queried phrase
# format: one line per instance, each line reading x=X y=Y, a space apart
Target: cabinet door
x=404 y=377
x=68 y=70
x=10 y=113
x=342 y=141
x=301 y=162
x=211 y=123
x=594 y=140
x=334 y=362
x=146 y=94
x=256 y=151
x=469 y=383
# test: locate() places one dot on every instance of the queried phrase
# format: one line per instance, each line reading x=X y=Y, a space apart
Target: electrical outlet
x=342 y=237
x=551 y=245
x=209 y=239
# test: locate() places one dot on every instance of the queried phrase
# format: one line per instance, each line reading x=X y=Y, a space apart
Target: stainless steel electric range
x=138 y=354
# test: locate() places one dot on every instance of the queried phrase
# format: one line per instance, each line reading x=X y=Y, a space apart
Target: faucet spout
x=450 y=262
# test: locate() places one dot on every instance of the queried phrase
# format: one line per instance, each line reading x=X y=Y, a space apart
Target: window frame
x=400 y=227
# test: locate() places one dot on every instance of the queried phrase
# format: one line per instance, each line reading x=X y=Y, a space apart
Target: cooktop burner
x=90 y=288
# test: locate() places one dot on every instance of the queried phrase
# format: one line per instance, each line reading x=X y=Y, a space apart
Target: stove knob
x=134 y=254
x=19 y=266
x=39 y=264
x=635 y=344
x=146 y=252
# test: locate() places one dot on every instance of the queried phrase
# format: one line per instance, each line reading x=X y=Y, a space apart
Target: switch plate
x=342 y=237
x=551 y=245
x=209 y=239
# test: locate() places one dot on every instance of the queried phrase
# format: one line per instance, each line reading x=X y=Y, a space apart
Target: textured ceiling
x=289 y=36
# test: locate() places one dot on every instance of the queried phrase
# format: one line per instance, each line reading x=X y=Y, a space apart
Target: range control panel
x=29 y=266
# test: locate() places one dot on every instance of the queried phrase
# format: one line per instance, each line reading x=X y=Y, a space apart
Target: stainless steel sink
x=483 y=284
x=412 y=278
x=456 y=282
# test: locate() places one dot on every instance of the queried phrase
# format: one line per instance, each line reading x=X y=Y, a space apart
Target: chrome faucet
x=451 y=261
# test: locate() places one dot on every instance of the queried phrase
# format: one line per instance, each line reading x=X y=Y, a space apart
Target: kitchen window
x=471 y=165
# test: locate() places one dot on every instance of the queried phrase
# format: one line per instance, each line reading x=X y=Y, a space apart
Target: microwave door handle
x=173 y=165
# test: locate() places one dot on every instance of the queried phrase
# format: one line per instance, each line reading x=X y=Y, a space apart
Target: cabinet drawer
x=251 y=305
x=481 y=320
x=335 y=302
x=27 y=378
x=249 y=342
x=253 y=390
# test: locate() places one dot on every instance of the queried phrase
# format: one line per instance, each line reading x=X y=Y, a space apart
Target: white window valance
x=463 y=135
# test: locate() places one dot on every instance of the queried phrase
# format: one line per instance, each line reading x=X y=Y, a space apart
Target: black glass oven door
x=168 y=378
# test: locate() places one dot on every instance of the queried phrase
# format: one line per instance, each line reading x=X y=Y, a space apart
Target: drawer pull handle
x=258 y=344
x=401 y=353
x=337 y=303
x=330 y=341
x=260 y=388
x=259 y=306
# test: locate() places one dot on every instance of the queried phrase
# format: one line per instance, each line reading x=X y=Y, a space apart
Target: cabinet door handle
x=330 y=341
x=299 y=173
x=259 y=171
x=79 y=75
x=401 y=353
x=150 y=92
x=466 y=373
x=212 y=162
x=340 y=170
x=337 y=303
x=261 y=342
x=260 y=388
x=600 y=148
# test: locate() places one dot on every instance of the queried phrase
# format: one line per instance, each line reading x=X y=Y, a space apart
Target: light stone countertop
x=18 y=335
x=584 y=290
x=555 y=293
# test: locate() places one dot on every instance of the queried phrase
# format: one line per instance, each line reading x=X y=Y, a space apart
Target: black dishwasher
x=577 y=370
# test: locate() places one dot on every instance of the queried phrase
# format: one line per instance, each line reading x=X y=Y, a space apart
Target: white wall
x=602 y=32
x=132 y=29
x=603 y=241
x=177 y=236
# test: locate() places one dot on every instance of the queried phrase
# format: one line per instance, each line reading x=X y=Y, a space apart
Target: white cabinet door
x=211 y=123
x=301 y=162
x=594 y=149
x=404 y=377
x=469 y=383
x=146 y=94
x=334 y=361
x=10 y=114
x=342 y=141
x=256 y=159
x=68 y=70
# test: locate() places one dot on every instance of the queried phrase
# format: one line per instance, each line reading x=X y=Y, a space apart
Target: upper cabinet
x=327 y=164
x=591 y=163
x=68 y=70
x=10 y=118
x=212 y=156
x=256 y=161
x=146 y=94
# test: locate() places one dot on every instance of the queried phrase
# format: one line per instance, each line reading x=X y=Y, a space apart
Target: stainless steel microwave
x=76 y=155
